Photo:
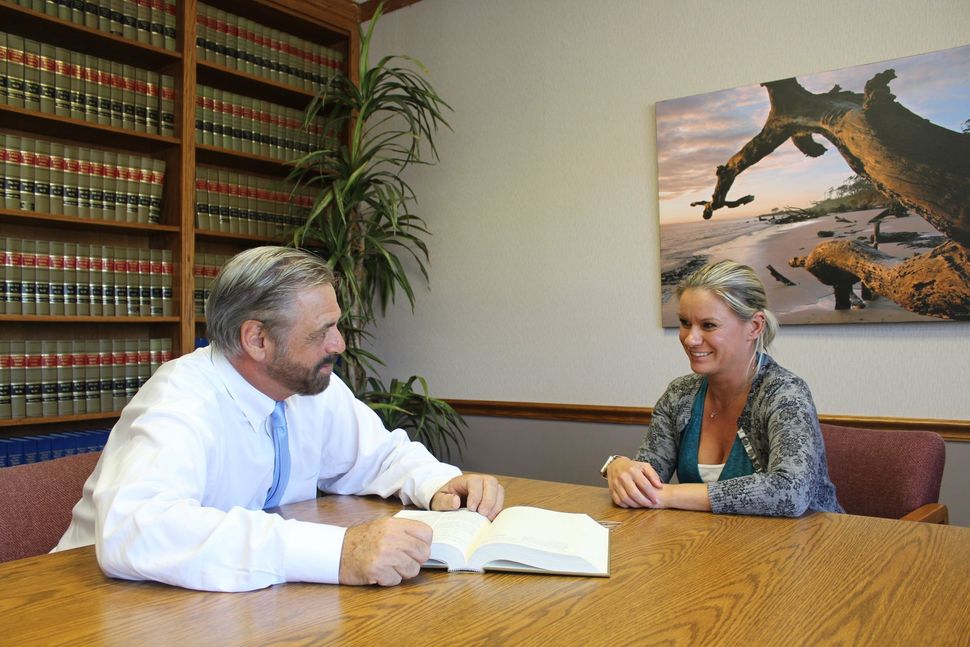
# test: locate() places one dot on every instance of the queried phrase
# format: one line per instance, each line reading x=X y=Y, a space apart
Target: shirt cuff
x=426 y=491
x=313 y=552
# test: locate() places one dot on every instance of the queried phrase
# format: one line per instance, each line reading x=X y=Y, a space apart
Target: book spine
x=70 y=279
x=43 y=277
x=57 y=278
x=78 y=387
x=82 y=281
x=28 y=278
x=18 y=379
x=33 y=379
x=5 y=363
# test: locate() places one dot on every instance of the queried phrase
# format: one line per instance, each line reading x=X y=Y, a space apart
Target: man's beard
x=297 y=378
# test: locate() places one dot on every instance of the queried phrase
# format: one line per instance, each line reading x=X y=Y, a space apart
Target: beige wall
x=545 y=254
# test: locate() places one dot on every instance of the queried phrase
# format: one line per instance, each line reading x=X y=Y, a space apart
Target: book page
x=545 y=540
x=457 y=530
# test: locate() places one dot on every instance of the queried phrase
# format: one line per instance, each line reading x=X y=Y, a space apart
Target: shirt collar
x=255 y=405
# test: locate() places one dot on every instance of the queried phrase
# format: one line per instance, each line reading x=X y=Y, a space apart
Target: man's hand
x=481 y=493
x=384 y=552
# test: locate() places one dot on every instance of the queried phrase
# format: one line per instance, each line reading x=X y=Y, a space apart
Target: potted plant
x=362 y=222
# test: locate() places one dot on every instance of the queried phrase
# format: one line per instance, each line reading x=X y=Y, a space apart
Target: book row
x=205 y=269
x=51 y=177
x=233 y=41
x=43 y=277
x=245 y=204
x=228 y=120
x=45 y=78
x=46 y=378
x=20 y=450
x=146 y=21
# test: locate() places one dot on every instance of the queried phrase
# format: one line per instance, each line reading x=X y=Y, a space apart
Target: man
x=253 y=421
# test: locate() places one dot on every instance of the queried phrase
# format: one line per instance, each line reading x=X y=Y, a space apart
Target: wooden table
x=677 y=578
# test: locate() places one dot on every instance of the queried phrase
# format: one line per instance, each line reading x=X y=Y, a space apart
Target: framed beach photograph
x=846 y=191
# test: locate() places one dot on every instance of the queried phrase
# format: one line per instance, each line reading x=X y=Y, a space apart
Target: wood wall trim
x=957 y=430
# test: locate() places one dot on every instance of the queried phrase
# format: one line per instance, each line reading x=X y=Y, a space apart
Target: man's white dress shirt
x=177 y=495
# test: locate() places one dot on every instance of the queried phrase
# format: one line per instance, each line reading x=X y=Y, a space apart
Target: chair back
x=879 y=473
x=36 y=500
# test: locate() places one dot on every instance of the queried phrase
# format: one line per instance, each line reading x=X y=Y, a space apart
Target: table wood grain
x=677 y=578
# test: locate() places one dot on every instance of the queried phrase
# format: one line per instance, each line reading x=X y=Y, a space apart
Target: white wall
x=545 y=254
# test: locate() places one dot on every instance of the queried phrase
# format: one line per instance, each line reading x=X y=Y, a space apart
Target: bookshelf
x=271 y=78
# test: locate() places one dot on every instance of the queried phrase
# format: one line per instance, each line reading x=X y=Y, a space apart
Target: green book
x=82 y=280
x=168 y=282
x=18 y=379
x=107 y=283
x=5 y=362
x=78 y=388
x=56 y=290
x=64 y=383
x=92 y=376
x=95 y=280
x=15 y=70
x=32 y=75
x=42 y=277
x=42 y=176
x=167 y=105
x=33 y=379
x=106 y=376
x=28 y=277
x=72 y=168
x=62 y=83
x=117 y=93
x=70 y=279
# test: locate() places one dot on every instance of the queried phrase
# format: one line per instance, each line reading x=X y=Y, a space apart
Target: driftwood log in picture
x=889 y=242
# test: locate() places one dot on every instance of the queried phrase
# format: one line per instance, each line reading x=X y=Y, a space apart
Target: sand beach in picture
x=761 y=244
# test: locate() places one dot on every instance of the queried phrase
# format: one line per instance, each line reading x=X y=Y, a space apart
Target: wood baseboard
x=957 y=430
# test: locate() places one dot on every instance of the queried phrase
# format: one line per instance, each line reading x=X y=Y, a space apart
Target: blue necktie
x=281 y=466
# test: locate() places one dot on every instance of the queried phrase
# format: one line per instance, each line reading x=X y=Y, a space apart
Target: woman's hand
x=634 y=484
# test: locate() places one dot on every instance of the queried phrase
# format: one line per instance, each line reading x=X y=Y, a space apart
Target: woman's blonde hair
x=741 y=289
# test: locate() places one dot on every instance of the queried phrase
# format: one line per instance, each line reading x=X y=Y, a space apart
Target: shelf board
x=82 y=224
x=243 y=161
x=212 y=234
x=227 y=78
x=51 y=29
x=35 y=123
x=60 y=319
x=78 y=417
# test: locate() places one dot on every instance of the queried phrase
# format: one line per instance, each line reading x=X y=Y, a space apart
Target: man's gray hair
x=260 y=283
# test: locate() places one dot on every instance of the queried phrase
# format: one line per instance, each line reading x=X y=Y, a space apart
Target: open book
x=520 y=539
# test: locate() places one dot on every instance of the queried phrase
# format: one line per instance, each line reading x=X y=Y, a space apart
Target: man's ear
x=252 y=336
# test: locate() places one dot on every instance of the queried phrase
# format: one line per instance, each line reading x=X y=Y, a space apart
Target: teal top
x=737 y=464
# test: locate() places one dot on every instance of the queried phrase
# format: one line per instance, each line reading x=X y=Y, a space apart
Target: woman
x=741 y=431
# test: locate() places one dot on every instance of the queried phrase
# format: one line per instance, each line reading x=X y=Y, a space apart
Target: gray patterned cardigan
x=785 y=444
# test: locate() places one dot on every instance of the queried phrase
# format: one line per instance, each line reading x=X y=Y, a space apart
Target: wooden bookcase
x=331 y=23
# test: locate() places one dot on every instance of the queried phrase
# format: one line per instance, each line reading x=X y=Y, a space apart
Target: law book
x=90 y=77
x=4 y=80
x=56 y=290
x=5 y=362
x=82 y=280
x=523 y=539
x=70 y=279
x=64 y=367
x=33 y=381
x=15 y=70
x=78 y=388
x=92 y=377
x=28 y=278
x=168 y=281
x=42 y=276
x=106 y=376
x=32 y=75
x=168 y=20
x=18 y=379
x=42 y=177
x=95 y=280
